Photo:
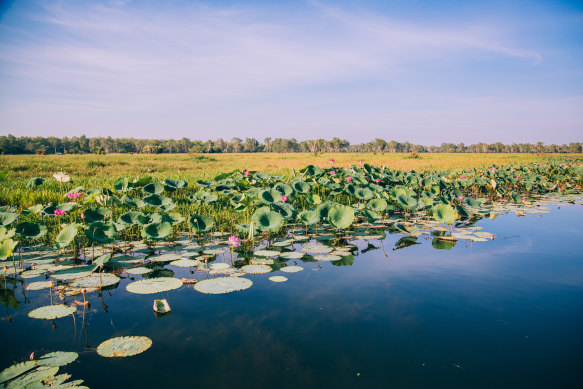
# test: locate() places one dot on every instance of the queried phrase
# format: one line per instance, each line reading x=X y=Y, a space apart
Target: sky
x=421 y=71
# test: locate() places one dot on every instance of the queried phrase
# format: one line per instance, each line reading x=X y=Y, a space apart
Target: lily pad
x=291 y=269
x=223 y=285
x=49 y=312
x=40 y=285
x=16 y=370
x=124 y=346
x=94 y=280
x=57 y=358
x=256 y=269
x=154 y=285
x=183 y=262
x=278 y=279
x=267 y=253
x=138 y=270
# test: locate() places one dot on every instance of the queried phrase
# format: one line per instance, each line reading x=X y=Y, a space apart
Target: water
x=506 y=313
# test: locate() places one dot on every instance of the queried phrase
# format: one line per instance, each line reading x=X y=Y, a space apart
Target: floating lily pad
x=16 y=370
x=165 y=258
x=278 y=279
x=267 y=253
x=94 y=280
x=256 y=269
x=292 y=255
x=183 y=262
x=39 y=285
x=291 y=269
x=214 y=251
x=57 y=358
x=223 y=285
x=219 y=266
x=49 y=312
x=327 y=257
x=32 y=273
x=124 y=346
x=316 y=249
x=154 y=285
x=74 y=272
x=35 y=376
x=138 y=270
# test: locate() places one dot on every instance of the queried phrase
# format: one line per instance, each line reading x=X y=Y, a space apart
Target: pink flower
x=332 y=160
x=518 y=177
x=59 y=212
x=462 y=176
x=348 y=178
x=377 y=180
x=283 y=198
x=494 y=169
x=234 y=241
x=82 y=215
x=332 y=172
x=246 y=173
x=361 y=161
x=460 y=197
x=31 y=357
x=73 y=195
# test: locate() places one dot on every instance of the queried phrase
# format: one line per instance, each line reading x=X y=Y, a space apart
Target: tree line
x=10 y=144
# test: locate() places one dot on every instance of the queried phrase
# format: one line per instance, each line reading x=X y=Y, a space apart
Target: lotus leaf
x=174 y=184
x=121 y=184
x=153 y=188
x=154 y=285
x=96 y=280
x=323 y=210
x=363 y=194
x=444 y=213
x=313 y=248
x=131 y=218
x=101 y=232
x=157 y=231
x=309 y=218
x=267 y=220
x=57 y=358
x=49 y=312
x=29 y=230
x=31 y=378
x=7 y=218
x=124 y=346
x=38 y=285
x=96 y=214
x=66 y=235
x=74 y=272
x=165 y=258
x=6 y=248
x=183 y=262
x=292 y=255
x=347 y=260
x=157 y=200
x=377 y=205
x=341 y=216
x=16 y=370
x=278 y=279
x=201 y=223
x=266 y=253
x=256 y=269
x=327 y=257
x=223 y=285
x=34 y=182
x=302 y=187
x=291 y=269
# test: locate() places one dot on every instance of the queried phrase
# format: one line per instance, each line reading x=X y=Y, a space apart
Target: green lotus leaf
x=270 y=196
x=291 y=269
x=309 y=218
x=39 y=285
x=444 y=213
x=157 y=231
x=223 y=285
x=462 y=212
x=174 y=184
x=29 y=230
x=363 y=194
x=121 y=184
x=277 y=279
x=517 y=198
x=256 y=269
x=7 y=218
x=154 y=285
x=66 y=235
x=34 y=182
x=102 y=260
x=314 y=199
x=49 y=312
x=370 y=215
x=406 y=202
x=16 y=370
x=130 y=218
x=138 y=270
x=377 y=205
x=347 y=260
x=442 y=244
x=74 y=272
x=323 y=210
x=6 y=233
x=341 y=216
x=302 y=187
x=101 y=232
x=157 y=200
x=57 y=358
x=96 y=214
x=284 y=209
x=153 y=188
x=316 y=248
x=96 y=280
x=312 y=170
x=6 y=248
x=172 y=218
x=124 y=346
x=284 y=189
x=267 y=220
x=201 y=223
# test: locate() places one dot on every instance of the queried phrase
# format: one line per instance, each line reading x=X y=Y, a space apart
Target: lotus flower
x=234 y=241
x=61 y=177
x=332 y=172
x=462 y=176
x=332 y=160
x=460 y=197
x=349 y=179
x=283 y=198
x=73 y=195
x=59 y=212
x=361 y=161
x=82 y=215
x=518 y=177
x=246 y=173
x=377 y=180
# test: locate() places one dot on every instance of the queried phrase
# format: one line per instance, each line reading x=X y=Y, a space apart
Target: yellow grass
x=99 y=169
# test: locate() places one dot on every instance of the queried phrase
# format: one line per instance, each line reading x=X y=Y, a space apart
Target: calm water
x=506 y=313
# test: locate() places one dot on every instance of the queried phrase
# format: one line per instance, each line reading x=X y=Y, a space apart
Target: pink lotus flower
x=246 y=173
x=332 y=172
x=82 y=215
x=349 y=179
x=283 y=198
x=59 y=212
x=234 y=241
x=518 y=177
x=361 y=161
x=73 y=195
x=31 y=357
x=494 y=169
x=377 y=180
x=462 y=176
x=332 y=160
x=460 y=197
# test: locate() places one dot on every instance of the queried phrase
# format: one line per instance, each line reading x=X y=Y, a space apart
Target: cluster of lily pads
x=144 y=229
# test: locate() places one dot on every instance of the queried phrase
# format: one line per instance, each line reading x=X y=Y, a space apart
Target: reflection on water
x=504 y=313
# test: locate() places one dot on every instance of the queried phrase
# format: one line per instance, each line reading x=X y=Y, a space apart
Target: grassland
x=103 y=169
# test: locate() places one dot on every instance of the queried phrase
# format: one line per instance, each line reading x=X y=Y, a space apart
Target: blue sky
x=421 y=71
